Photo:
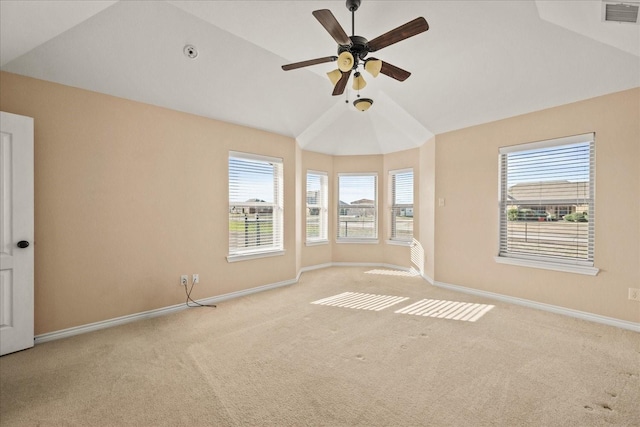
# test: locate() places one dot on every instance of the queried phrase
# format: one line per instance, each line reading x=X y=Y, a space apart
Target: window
x=255 y=205
x=317 y=202
x=547 y=202
x=357 y=208
x=401 y=204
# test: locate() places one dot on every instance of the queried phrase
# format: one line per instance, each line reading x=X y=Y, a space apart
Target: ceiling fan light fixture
x=363 y=104
x=373 y=66
x=358 y=81
x=334 y=76
x=345 y=61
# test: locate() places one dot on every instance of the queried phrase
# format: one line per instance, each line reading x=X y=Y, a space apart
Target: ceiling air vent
x=620 y=12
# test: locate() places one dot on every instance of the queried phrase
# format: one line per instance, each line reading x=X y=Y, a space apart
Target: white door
x=16 y=232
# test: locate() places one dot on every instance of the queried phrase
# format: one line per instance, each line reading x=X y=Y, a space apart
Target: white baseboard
x=624 y=324
x=368 y=264
x=82 y=329
x=314 y=267
x=90 y=327
x=77 y=330
x=428 y=279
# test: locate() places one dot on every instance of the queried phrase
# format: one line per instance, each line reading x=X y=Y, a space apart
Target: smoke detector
x=625 y=12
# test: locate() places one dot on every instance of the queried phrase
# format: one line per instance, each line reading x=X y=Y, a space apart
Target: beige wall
x=395 y=254
x=128 y=197
x=466 y=237
x=426 y=217
x=131 y=196
x=319 y=254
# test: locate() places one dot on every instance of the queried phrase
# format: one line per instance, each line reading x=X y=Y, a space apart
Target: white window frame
x=322 y=204
x=374 y=207
x=558 y=263
x=237 y=253
x=397 y=207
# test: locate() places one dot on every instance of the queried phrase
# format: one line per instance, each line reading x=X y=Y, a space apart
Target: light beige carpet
x=276 y=359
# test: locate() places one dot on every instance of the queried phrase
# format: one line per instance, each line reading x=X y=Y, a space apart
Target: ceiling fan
x=352 y=50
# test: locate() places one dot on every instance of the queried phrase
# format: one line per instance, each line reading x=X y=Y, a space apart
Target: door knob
x=23 y=244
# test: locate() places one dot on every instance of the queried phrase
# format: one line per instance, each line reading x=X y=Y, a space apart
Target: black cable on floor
x=195 y=303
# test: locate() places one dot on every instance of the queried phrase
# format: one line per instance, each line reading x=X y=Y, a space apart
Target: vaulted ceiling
x=480 y=61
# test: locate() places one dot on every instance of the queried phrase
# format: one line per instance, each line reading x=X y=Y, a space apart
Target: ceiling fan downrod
x=353 y=5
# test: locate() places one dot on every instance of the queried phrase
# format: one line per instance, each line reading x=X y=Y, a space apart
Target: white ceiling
x=480 y=61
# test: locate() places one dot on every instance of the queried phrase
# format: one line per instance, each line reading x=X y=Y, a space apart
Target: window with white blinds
x=401 y=204
x=357 y=206
x=255 y=204
x=317 y=206
x=547 y=205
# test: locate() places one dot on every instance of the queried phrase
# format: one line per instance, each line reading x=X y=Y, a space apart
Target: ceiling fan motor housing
x=359 y=48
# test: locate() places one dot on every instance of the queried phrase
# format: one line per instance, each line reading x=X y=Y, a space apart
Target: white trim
x=315 y=172
x=254 y=255
x=357 y=174
x=428 y=278
x=246 y=292
x=407 y=243
x=316 y=242
x=566 y=268
x=77 y=330
x=372 y=241
x=574 y=139
x=90 y=327
x=355 y=264
x=610 y=321
x=371 y=264
x=397 y=171
x=255 y=157
x=322 y=204
x=314 y=267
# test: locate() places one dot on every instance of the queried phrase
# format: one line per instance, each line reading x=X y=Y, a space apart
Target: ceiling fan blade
x=394 y=72
x=410 y=29
x=309 y=62
x=331 y=24
x=342 y=83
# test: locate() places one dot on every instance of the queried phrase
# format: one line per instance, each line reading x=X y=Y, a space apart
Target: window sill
x=254 y=255
x=359 y=241
x=407 y=243
x=316 y=242
x=566 y=268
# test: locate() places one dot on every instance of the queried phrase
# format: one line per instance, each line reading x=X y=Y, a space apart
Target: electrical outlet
x=195 y=279
x=184 y=280
x=634 y=294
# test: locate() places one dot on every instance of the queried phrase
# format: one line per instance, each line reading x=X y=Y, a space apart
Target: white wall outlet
x=441 y=201
x=184 y=280
x=195 y=279
x=634 y=294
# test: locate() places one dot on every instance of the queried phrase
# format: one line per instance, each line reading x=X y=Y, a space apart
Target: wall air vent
x=620 y=12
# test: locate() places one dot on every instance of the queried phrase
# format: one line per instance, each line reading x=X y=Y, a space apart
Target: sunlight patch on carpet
x=441 y=309
x=361 y=301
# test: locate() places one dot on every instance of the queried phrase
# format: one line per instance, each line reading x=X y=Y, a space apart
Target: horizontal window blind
x=255 y=203
x=357 y=206
x=317 y=205
x=547 y=200
x=402 y=205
